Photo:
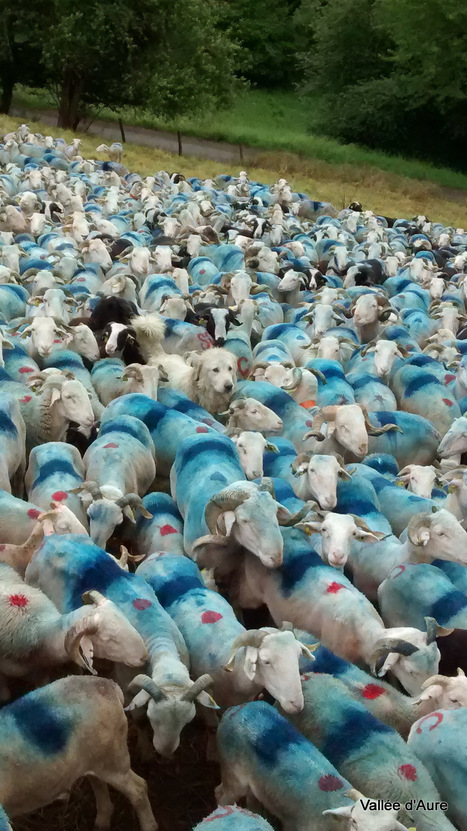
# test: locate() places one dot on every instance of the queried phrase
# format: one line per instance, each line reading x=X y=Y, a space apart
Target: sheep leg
x=232 y=789
x=103 y=804
x=135 y=789
x=17 y=480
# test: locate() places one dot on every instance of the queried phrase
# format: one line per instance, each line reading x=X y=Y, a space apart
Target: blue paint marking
x=6 y=424
x=96 y=574
x=383 y=417
x=52 y=468
x=422 y=380
x=216 y=445
x=350 y=733
x=130 y=429
x=292 y=572
x=450 y=604
x=159 y=284
x=218 y=477
x=46 y=728
x=353 y=505
x=274 y=736
x=172 y=590
x=156 y=504
x=328 y=663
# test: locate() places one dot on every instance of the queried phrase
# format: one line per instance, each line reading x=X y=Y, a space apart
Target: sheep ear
x=340 y=813
x=54 y=397
x=129 y=514
x=272 y=448
x=207 y=700
x=251 y=659
x=225 y=522
x=140 y=700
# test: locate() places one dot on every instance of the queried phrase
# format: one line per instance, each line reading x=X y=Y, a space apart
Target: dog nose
x=228 y=386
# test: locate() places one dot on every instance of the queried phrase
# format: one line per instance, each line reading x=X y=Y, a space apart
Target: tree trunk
x=72 y=90
x=8 y=83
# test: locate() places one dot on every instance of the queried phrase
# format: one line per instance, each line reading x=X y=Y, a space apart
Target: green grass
x=274 y=121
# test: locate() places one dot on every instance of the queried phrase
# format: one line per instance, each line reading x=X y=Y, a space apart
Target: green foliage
x=265 y=31
x=393 y=74
x=20 y=35
x=346 y=45
x=168 y=53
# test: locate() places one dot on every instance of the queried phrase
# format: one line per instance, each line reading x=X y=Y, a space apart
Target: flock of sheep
x=215 y=397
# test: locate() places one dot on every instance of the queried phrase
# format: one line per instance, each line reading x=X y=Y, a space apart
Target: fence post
x=179 y=139
x=240 y=148
x=122 y=131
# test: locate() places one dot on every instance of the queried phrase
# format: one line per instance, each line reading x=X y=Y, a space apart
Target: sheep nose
x=363 y=448
x=228 y=386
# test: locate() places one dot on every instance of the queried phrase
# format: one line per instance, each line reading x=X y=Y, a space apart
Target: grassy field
x=276 y=121
x=337 y=180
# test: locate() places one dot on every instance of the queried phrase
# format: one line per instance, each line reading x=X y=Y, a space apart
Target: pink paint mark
x=243 y=371
x=330 y=783
x=333 y=588
x=141 y=604
x=80 y=280
x=2 y=547
x=305 y=676
x=110 y=444
x=210 y=617
x=203 y=271
x=59 y=496
x=372 y=691
x=408 y=772
x=25 y=399
x=167 y=529
x=226 y=811
x=448 y=402
x=205 y=339
x=448 y=378
x=33 y=513
x=208 y=421
x=397 y=571
x=438 y=716
x=24 y=369
x=309 y=423
x=19 y=600
x=202 y=430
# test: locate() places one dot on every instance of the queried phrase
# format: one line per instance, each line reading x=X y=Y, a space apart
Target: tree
x=265 y=30
x=347 y=46
x=20 y=51
x=163 y=54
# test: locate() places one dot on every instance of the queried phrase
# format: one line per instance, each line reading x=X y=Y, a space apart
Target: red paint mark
x=59 y=496
x=203 y=271
x=80 y=280
x=408 y=772
x=234 y=710
x=240 y=361
x=226 y=811
x=333 y=588
x=202 y=430
x=141 y=604
x=305 y=676
x=309 y=423
x=205 y=339
x=24 y=369
x=208 y=421
x=396 y=573
x=438 y=716
x=210 y=617
x=448 y=378
x=57 y=340
x=372 y=691
x=167 y=529
x=330 y=783
x=448 y=402
x=2 y=547
x=307 y=405
x=18 y=600
x=110 y=444
x=25 y=399
x=33 y=513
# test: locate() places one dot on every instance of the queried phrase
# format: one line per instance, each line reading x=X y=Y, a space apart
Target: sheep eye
x=266 y=662
x=215 y=369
